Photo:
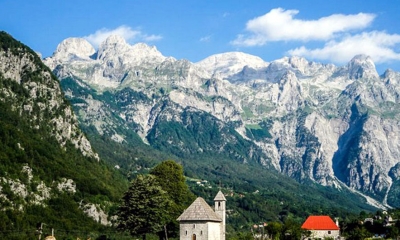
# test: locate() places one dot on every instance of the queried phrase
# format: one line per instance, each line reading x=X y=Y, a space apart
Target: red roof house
x=321 y=227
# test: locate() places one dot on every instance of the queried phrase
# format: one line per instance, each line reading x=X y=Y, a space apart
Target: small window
x=194 y=225
x=329 y=232
x=186 y=233
x=201 y=232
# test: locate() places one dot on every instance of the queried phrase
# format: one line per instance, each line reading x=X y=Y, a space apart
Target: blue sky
x=321 y=31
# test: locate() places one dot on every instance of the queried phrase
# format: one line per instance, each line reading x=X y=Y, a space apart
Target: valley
x=283 y=140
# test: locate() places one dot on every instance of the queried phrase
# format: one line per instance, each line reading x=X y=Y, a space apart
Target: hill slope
x=49 y=172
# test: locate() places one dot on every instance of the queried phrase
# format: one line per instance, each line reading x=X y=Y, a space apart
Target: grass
x=247 y=113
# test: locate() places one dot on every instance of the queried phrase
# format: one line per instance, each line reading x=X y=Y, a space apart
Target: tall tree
x=172 y=180
x=291 y=230
x=274 y=229
x=144 y=208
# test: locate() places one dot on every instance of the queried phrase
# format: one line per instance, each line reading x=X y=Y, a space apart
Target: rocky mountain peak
x=70 y=49
x=112 y=46
x=298 y=63
x=390 y=74
x=114 y=40
x=74 y=47
x=116 y=49
x=230 y=63
x=391 y=77
x=300 y=66
x=144 y=50
x=362 y=66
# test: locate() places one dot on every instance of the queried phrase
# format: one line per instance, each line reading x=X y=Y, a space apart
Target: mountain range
x=335 y=126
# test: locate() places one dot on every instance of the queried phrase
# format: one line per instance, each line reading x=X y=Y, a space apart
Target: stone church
x=200 y=222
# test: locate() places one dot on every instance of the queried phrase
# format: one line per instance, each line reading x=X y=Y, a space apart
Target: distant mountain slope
x=313 y=122
x=49 y=172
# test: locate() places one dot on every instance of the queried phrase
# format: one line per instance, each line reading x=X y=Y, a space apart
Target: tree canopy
x=144 y=208
x=170 y=177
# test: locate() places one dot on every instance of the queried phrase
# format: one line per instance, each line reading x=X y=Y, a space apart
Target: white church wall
x=202 y=230
x=214 y=230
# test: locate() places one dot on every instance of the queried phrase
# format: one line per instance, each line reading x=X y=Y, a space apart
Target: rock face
x=96 y=213
x=44 y=94
x=308 y=120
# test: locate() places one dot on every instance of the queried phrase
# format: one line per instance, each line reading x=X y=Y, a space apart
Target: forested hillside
x=44 y=175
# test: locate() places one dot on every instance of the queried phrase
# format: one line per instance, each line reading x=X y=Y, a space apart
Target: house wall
x=324 y=233
x=202 y=230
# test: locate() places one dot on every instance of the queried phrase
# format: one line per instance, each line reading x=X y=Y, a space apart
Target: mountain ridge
x=307 y=120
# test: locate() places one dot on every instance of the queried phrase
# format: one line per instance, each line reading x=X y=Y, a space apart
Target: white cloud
x=151 y=38
x=205 y=39
x=124 y=31
x=378 y=45
x=280 y=25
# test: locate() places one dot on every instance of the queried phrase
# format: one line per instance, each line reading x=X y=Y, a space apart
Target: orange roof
x=319 y=223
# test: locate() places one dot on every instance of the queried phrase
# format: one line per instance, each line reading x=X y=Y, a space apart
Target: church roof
x=220 y=197
x=319 y=223
x=199 y=210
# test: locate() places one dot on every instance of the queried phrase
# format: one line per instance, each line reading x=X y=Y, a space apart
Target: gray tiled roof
x=220 y=197
x=199 y=210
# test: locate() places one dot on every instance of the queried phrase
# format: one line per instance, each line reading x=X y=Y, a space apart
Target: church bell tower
x=220 y=210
